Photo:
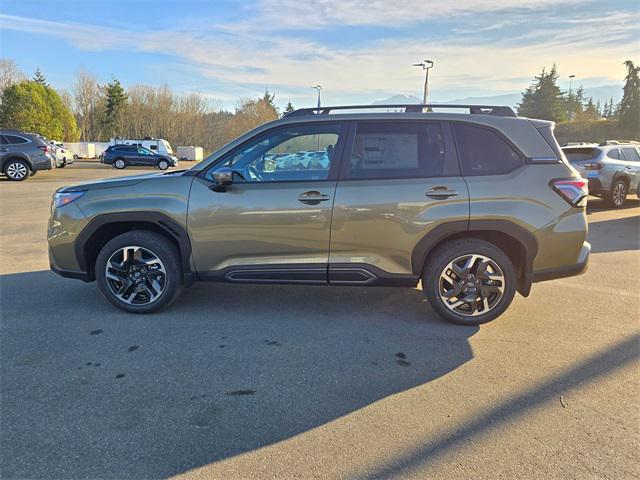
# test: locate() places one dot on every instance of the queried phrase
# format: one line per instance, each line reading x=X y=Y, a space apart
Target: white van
x=156 y=145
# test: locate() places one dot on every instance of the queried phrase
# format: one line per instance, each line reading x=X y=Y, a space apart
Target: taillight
x=593 y=166
x=573 y=190
x=44 y=148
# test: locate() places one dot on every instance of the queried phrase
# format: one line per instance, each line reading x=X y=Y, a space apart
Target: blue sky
x=358 y=50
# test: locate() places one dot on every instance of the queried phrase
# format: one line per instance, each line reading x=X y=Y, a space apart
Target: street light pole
x=571 y=77
x=318 y=88
x=425 y=65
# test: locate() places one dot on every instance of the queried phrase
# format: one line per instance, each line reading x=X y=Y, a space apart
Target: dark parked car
x=23 y=154
x=122 y=156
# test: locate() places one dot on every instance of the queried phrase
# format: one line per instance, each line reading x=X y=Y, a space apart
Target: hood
x=113 y=182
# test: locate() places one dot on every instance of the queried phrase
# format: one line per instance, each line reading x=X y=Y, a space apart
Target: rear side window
x=614 y=153
x=13 y=140
x=484 y=152
x=631 y=154
x=580 y=154
x=400 y=150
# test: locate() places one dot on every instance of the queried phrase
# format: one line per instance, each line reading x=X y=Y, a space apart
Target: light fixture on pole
x=318 y=88
x=425 y=65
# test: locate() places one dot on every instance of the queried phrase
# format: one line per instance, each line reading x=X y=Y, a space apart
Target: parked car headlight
x=61 y=199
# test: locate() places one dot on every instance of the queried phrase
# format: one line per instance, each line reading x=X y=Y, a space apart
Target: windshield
x=580 y=154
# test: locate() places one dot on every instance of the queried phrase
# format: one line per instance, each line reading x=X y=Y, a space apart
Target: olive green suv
x=475 y=205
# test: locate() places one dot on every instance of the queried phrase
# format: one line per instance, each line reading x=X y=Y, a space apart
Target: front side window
x=399 y=150
x=303 y=152
x=144 y=151
x=484 y=152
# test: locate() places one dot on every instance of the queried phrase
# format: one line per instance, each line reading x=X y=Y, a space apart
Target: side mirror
x=223 y=178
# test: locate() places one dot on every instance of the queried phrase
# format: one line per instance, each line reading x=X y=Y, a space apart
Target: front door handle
x=441 y=192
x=313 y=197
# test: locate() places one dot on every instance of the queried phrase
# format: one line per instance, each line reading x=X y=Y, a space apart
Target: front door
x=273 y=222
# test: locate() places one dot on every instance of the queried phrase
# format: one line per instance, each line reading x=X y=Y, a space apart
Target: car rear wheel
x=139 y=272
x=618 y=194
x=17 y=170
x=163 y=164
x=119 y=163
x=469 y=281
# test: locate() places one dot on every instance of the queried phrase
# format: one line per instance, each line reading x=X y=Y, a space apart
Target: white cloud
x=320 y=13
x=465 y=60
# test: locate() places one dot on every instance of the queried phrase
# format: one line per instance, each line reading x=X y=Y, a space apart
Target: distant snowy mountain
x=401 y=98
x=602 y=93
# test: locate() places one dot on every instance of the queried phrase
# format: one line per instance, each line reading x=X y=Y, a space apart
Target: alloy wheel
x=119 y=164
x=619 y=194
x=17 y=170
x=471 y=285
x=135 y=275
x=163 y=164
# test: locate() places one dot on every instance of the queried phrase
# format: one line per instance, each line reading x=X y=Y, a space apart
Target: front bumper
x=63 y=272
x=568 y=270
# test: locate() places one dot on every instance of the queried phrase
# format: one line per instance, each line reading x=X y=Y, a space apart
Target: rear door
x=398 y=180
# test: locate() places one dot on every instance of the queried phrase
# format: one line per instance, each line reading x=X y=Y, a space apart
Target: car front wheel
x=17 y=170
x=139 y=272
x=469 y=281
x=163 y=164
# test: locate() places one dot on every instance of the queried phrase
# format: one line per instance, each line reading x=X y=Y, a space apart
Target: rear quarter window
x=614 y=153
x=483 y=151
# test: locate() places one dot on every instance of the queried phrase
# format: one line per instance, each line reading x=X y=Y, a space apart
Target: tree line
x=544 y=99
x=91 y=111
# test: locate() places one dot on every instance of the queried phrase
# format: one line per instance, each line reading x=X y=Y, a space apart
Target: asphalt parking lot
x=239 y=381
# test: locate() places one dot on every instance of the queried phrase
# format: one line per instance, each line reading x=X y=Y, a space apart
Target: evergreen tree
x=590 y=111
x=269 y=99
x=629 y=109
x=39 y=78
x=543 y=98
x=115 y=105
x=289 y=108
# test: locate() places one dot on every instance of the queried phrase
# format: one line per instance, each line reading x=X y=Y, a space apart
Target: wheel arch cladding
x=517 y=242
x=103 y=228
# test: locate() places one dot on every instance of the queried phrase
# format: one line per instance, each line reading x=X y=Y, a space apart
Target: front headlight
x=60 y=199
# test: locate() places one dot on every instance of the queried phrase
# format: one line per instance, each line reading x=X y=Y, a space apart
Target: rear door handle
x=313 y=197
x=441 y=192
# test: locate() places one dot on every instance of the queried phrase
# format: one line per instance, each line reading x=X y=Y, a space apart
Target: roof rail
x=496 y=110
x=619 y=142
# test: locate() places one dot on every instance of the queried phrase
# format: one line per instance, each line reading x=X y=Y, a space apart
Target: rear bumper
x=568 y=270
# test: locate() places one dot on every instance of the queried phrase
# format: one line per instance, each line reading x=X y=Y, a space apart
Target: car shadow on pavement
x=620 y=355
x=92 y=392
x=615 y=235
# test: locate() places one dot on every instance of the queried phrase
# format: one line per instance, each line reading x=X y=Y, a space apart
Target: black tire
x=17 y=170
x=120 y=163
x=455 y=249
x=618 y=193
x=159 y=246
x=163 y=164
x=64 y=163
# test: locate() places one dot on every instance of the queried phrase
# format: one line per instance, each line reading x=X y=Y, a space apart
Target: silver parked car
x=612 y=168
